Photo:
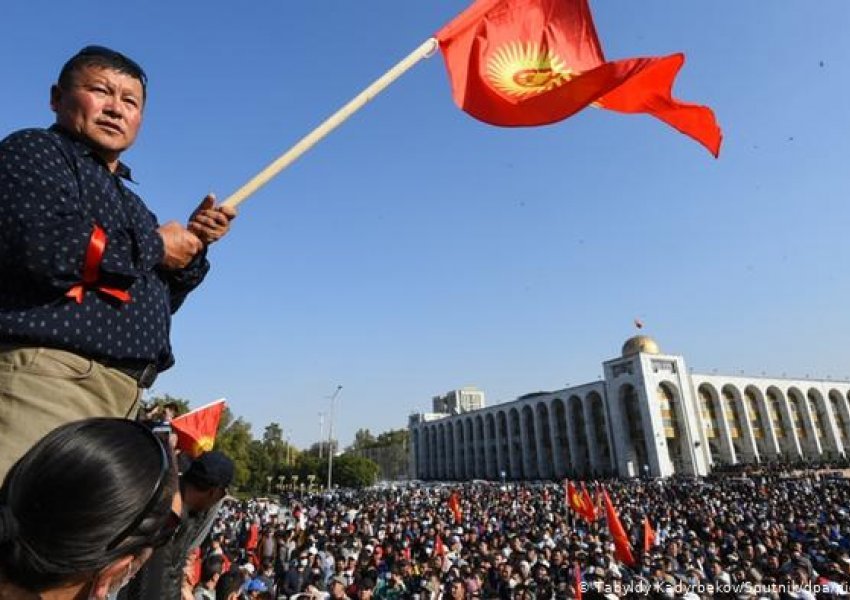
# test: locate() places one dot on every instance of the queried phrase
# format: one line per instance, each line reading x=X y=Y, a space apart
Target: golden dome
x=640 y=344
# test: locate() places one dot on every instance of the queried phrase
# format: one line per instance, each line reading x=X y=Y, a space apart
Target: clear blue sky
x=417 y=250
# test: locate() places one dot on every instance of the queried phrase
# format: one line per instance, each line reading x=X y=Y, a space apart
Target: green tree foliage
x=350 y=470
x=234 y=439
x=261 y=467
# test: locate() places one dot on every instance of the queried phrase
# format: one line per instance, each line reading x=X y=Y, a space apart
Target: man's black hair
x=211 y=567
x=101 y=56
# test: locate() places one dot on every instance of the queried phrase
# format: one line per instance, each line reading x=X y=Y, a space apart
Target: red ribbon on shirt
x=91 y=270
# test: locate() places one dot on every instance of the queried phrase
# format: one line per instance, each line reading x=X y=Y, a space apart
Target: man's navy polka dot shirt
x=53 y=190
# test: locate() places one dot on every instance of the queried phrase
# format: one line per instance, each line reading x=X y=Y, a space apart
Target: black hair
x=211 y=567
x=106 y=58
x=65 y=500
x=228 y=583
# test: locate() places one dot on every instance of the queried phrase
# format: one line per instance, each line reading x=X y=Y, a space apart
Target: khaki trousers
x=43 y=388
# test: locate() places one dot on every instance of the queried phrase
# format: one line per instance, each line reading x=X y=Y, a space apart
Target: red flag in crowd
x=622 y=547
x=648 y=535
x=253 y=539
x=196 y=429
x=535 y=62
x=454 y=506
x=577 y=502
x=439 y=548
x=591 y=508
x=577 y=582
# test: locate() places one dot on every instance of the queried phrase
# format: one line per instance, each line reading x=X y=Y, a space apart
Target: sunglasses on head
x=172 y=523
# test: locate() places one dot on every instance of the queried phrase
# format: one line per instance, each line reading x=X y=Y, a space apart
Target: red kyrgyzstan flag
x=576 y=501
x=196 y=429
x=535 y=62
x=622 y=546
x=591 y=508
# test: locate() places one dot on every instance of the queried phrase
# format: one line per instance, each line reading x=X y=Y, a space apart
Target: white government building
x=647 y=415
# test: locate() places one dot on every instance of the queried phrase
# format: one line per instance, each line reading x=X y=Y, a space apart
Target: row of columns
x=546 y=439
x=831 y=412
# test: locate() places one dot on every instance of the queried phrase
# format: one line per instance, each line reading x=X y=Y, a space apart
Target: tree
x=234 y=439
x=354 y=471
x=277 y=450
x=308 y=464
x=260 y=467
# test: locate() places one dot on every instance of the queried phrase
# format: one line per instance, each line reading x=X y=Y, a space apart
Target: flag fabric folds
x=622 y=546
x=535 y=62
x=196 y=429
x=588 y=503
x=454 y=506
x=578 y=502
x=648 y=535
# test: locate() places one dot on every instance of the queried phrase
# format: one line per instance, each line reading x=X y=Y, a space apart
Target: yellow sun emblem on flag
x=204 y=444
x=526 y=69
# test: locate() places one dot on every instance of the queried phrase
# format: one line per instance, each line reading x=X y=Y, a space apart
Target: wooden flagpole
x=425 y=50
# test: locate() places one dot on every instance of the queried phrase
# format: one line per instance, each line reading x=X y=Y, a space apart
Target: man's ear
x=110 y=577
x=55 y=97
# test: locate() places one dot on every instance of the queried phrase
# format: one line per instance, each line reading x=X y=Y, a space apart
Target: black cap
x=211 y=469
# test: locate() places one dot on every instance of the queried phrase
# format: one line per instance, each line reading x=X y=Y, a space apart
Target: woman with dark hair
x=83 y=509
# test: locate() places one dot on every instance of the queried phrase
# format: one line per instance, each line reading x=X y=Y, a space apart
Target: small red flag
x=439 y=548
x=454 y=506
x=535 y=62
x=253 y=537
x=196 y=429
x=591 y=508
x=648 y=535
x=622 y=547
x=577 y=502
x=577 y=582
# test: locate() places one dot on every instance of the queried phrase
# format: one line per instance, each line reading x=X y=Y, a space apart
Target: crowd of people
x=720 y=537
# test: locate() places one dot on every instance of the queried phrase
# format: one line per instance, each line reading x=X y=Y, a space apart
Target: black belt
x=144 y=373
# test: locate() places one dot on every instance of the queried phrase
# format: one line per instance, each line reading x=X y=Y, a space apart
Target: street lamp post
x=330 y=438
x=321 y=432
x=288 y=448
